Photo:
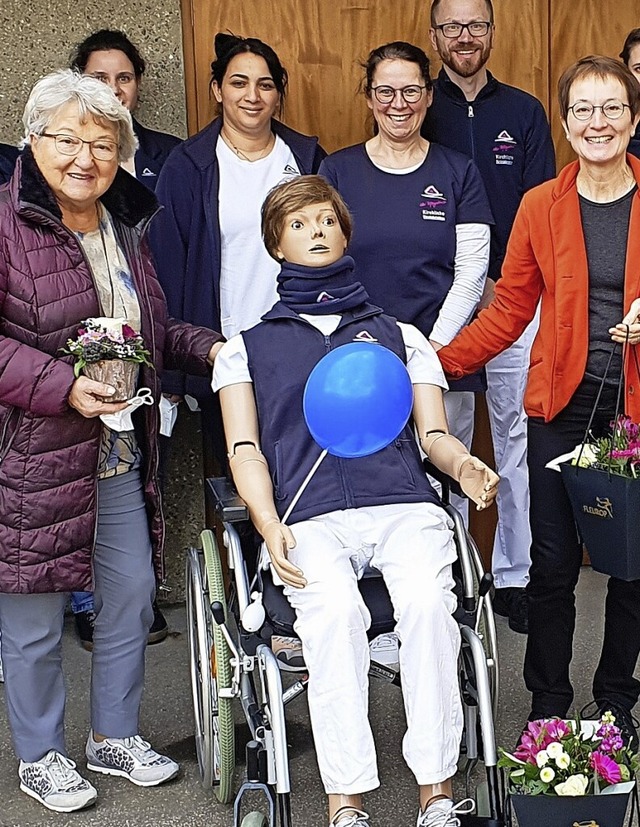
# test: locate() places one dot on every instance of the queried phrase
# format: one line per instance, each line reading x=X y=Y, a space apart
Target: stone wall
x=39 y=35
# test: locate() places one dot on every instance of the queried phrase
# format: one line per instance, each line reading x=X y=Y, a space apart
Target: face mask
x=122 y=420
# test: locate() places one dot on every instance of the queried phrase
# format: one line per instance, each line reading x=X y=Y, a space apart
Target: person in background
x=421 y=215
x=506 y=132
x=210 y=257
x=378 y=509
x=8 y=157
x=109 y=56
x=574 y=250
x=80 y=501
x=630 y=54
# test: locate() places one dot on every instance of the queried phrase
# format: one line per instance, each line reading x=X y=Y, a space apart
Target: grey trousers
x=32 y=624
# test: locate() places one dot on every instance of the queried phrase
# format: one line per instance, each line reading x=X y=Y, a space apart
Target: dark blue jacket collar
x=199 y=146
x=281 y=311
x=453 y=91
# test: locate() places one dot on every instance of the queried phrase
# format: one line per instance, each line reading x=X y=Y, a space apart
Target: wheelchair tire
x=210 y=671
x=254 y=819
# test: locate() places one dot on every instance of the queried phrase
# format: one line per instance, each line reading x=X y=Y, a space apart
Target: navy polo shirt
x=404 y=238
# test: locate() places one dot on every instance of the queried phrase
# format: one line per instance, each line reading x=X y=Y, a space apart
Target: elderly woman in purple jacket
x=79 y=505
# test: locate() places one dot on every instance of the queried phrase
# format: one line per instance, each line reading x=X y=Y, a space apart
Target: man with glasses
x=506 y=132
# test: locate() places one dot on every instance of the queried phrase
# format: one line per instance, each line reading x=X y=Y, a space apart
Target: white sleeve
x=469 y=274
x=231 y=365
x=423 y=364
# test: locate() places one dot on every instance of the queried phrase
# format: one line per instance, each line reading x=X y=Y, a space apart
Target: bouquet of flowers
x=569 y=758
x=102 y=338
x=617 y=453
x=109 y=351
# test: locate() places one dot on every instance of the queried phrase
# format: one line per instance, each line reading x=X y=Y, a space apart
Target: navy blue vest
x=282 y=351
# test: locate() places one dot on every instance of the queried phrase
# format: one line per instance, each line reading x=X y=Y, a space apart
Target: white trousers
x=412 y=546
x=460 y=409
x=506 y=381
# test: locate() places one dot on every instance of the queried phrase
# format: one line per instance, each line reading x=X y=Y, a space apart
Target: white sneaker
x=444 y=813
x=384 y=649
x=349 y=817
x=131 y=758
x=56 y=784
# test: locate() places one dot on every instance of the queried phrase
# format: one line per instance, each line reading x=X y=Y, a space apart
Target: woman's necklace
x=256 y=154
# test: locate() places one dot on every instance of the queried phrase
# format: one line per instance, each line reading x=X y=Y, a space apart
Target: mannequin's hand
x=479 y=482
x=279 y=540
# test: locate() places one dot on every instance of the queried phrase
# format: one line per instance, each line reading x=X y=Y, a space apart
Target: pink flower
x=128 y=332
x=606 y=768
x=537 y=736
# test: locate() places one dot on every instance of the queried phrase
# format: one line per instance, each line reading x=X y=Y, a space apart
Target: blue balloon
x=357 y=399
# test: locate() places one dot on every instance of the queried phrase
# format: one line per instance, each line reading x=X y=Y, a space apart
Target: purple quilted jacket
x=48 y=451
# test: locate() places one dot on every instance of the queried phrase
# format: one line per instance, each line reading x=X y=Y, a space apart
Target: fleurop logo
x=603 y=508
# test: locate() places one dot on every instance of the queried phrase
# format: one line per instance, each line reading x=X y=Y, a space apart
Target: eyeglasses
x=478 y=28
x=123 y=79
x=385 y=94
x=611 y=110
x=101 y=150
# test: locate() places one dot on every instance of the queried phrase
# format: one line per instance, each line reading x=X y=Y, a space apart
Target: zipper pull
x=470 y=111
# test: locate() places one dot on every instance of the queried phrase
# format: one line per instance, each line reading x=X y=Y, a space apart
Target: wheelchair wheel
x=254 y=819
x=210 y=671
x=487 y=627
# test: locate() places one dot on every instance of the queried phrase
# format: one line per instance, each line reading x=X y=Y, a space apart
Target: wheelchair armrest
x=449 y=485
x=228 y=504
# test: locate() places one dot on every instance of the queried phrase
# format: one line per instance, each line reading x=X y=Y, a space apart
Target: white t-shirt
x=247 y=273
x=231 y=364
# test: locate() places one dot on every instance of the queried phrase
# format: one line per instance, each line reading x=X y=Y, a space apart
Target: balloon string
x=305 y=482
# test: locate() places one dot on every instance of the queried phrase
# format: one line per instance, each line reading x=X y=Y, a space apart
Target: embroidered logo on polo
x=432 y=204
x=146 y=172
x=289 y=170
x=503 y=146
x=364 y=336
x=324 y=297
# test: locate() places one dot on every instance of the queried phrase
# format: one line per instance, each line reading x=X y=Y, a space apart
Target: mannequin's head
x=305 y=221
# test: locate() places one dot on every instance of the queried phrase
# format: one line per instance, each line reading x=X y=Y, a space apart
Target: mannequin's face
x=312 y=236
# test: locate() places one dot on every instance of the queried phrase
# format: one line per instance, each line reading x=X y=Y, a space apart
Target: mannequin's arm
x=252 y=478
x=446 y=452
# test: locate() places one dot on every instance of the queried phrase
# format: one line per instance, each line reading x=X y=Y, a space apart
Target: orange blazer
x=546 y=261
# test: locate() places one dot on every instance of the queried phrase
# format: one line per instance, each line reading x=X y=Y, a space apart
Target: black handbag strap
x=625 y=346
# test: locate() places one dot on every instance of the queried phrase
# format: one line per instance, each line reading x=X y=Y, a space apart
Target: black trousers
x=556 y=556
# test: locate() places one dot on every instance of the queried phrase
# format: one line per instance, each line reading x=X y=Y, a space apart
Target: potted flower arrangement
x=570 y=771
x=601 y=481
x=109 y=351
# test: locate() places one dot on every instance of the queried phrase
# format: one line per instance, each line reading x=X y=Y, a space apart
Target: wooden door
x=582 y=28
x=322 y=44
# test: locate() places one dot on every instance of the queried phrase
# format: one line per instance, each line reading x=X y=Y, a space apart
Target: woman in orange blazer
x=575 y=250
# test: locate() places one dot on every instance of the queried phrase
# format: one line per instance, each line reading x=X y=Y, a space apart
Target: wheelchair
x=241 y=643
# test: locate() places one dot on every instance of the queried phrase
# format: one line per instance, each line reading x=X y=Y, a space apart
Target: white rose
x=574 y=785
x=563 y=761
x=554 y=749
x=547 y=775
x=542 y=758
x=112 y=326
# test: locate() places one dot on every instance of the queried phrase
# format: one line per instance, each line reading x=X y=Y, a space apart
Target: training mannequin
x=378 y=510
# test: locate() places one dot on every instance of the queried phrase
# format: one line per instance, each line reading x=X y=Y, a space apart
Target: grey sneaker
x=131 y=758
x=56 y=784
x=349 y=817
x=444 y=813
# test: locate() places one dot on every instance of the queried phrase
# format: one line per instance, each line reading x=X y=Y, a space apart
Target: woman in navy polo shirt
x=421 y=214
